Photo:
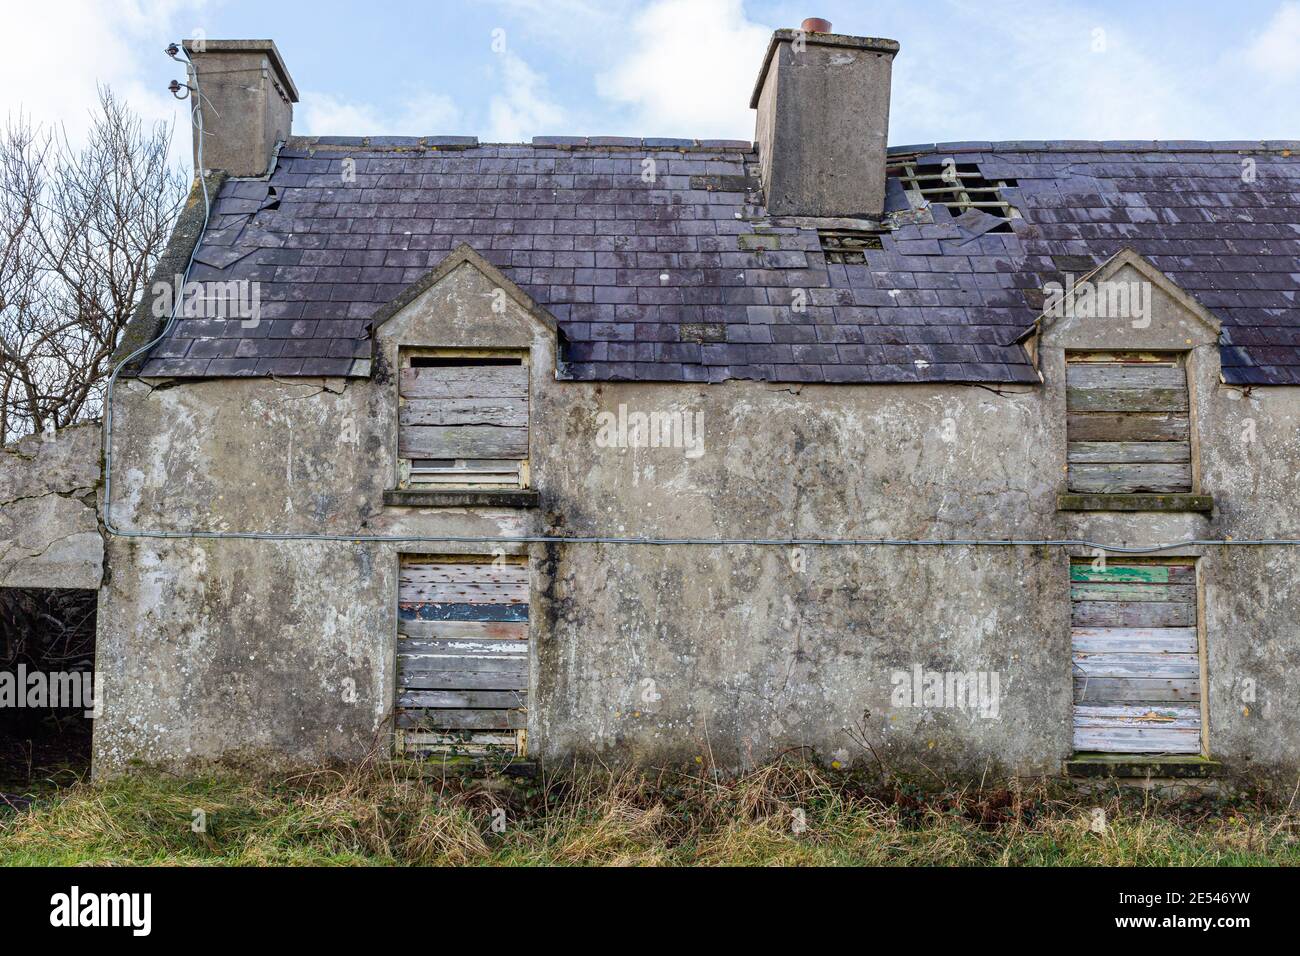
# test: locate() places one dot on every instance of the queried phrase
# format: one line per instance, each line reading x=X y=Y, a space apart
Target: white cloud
x=50 y=61
x=1057 y=72
x=522 y=109
x=1274 y=52
x=423 y=114
x=690 y=71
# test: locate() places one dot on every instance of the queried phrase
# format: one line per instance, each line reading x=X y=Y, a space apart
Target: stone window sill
x=462 y=498
x=1141 y=765
x=1069 y=501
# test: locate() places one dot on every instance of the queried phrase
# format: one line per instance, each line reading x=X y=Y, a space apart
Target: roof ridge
x=538 y=142
x=1103 y=146
x=614 y=143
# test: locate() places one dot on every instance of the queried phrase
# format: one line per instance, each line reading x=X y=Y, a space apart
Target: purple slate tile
x=214 y=348
x=258 y=348
x=577 y=227
x=168 y=367
x=327 y=367
x=279 y=366
x=222 y=257
x=171 y=347
x=232 y=367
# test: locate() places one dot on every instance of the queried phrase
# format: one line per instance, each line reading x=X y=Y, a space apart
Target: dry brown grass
x=789 y=812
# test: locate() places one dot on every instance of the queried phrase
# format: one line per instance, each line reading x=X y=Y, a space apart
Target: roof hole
x=958 y=186
x=848 y=246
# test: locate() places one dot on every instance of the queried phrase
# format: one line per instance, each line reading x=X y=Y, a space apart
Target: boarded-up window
x=463 y=421
x=1128 y=423
x=1137 y=662
x=462 y=655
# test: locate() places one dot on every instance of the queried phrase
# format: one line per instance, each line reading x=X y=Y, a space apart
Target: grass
x=789 y=813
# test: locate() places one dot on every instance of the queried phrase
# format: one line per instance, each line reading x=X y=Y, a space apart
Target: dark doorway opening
x=47 y=659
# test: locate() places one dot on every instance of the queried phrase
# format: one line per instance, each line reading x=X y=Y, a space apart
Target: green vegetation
x=787 y=813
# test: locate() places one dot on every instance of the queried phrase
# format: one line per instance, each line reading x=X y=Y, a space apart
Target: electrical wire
x=196 y=120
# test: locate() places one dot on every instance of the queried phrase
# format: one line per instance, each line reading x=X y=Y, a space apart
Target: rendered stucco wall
x=282 y=651
x=49 y=532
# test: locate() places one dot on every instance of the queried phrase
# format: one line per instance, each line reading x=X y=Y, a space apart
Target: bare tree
x=82 y=229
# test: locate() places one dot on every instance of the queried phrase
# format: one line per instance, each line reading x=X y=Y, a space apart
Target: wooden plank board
x=467 y=464
x=1129 y=715
x=1135 y=591
x=466 y=482
x=510 y=668
x=1135 y=740
x=1122 y=689
x=457 y=467
x=415 y=740
x=1138 y=614
x=465 y=411
x=468 y=630
x=450 y=719
x=462 y=441
x=458 y=647
x=1087 y=375
x=1122 y=358
x=482 y=381
x=1126 y=399
x=464 y=680
x=1135 y=653
x=462 y=653
x=1134 y=640
x=465 y=592
x=1131 y=426
x=435 y=572
x=506 y=474
x=415 y=611
x=1173 y=666
x=1128 y=452
x=1125 y=479
x=464 y=699
x=1116 y=572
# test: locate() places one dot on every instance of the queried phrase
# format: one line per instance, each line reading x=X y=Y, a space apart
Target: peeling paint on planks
x=462 y=655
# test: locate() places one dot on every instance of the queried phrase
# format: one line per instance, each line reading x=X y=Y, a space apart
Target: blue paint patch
x=463 y=612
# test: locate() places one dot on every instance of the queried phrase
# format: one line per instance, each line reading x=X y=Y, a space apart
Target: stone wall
x=49 y=532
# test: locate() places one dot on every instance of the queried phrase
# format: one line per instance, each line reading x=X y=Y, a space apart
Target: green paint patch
x=1149 y=574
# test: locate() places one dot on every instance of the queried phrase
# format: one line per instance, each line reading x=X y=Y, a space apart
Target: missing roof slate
x=959 y=187
x=848 y=246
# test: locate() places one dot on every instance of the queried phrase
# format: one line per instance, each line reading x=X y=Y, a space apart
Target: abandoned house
x=978 y=456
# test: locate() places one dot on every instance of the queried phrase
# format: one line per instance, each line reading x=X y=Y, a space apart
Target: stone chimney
x=247 y=103
x=823 y=122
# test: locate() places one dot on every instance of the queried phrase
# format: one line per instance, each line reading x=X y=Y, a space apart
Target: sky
x=507 y=70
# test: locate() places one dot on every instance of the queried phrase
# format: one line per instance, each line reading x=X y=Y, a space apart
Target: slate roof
x=685 y=278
